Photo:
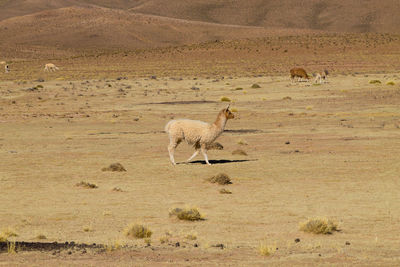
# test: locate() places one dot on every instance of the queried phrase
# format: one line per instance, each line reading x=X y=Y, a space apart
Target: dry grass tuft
x=255 y=86
x=266 y=250
x=215 y=146
x=375 y=82
x=319 y=226
x=234 y=110
x=117 y=189
x=186 y=214
x=224 y=191
x=287 y=98
x=309 y=107
x=225 y=99
x=115 y=167
x=239 y=152
x=220 y=178
x=7 y=233
x=242 y=142
x=86 y=185
x=390 y=83
x=138 y=231
x=41 y=236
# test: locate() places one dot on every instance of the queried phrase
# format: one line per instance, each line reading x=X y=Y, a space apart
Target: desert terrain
x=312 y=150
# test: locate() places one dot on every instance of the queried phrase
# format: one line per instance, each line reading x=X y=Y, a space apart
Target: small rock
x=177 y=244
x=287 y=142
x=297 y=240
x=153 y=77
x=347 y=243
x=195 y=245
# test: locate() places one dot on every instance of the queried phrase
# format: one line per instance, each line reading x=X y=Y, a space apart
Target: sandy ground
x=341 y=162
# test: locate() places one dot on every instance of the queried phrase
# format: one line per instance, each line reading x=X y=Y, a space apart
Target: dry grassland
x=338 y=159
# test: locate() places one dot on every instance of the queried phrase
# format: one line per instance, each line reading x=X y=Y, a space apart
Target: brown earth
x=330 y=150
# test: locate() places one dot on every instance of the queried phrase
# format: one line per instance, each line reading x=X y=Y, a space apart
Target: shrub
x=138 y=231
x=375 y=82
x=220 y=178
x=115 y=167
x=266 y=250
x=224 y=191
x=186 y=214
x=225 y=99
x=255 y=86
x=319 y=226
x=86 y=185
x=390 y=83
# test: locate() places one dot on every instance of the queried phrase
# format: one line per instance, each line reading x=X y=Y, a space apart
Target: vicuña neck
x=220 y=121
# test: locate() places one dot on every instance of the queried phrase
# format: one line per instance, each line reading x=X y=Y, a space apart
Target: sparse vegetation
x=220 y=178
x=186 y=214
x=7 y=233
x=234 y=110
x=115 y=167
x=242 y=142
x=191 y=236
x=375 y=82
x=239 y=152
x=138 y=231
x=224 y=191
x=319 y=226
x=265 y=249
x=11 y=248
x=225 y=99
x=86 y=185
x=309 y=107
x=255 y=86
x=390 y=83
x=117 y=189
x=287 y=98
x=41 y=236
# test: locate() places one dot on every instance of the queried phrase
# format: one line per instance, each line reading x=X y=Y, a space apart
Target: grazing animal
x=197 y=133
x=50 y=67
x=321 y=76
x=6 y=69
x=300 y=73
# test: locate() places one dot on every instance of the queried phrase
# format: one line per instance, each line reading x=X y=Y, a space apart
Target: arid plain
x=313 y=150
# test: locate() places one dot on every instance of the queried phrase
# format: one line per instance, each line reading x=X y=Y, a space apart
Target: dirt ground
x=327 y=150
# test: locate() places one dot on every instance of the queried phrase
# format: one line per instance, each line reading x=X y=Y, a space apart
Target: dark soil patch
x=47 y=246
x=239 y=152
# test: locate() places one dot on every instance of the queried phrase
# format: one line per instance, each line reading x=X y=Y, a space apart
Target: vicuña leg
x=194 y=155
x=204 y=152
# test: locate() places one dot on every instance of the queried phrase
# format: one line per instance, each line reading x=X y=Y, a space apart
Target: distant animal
x=299 y=73
x=321 y=76
x=197 y=133
x=50 y=67
x=6 y=69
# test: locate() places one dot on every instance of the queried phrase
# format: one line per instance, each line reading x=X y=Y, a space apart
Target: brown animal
x=300 y=73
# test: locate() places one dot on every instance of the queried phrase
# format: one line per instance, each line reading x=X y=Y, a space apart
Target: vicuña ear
x=227 y=107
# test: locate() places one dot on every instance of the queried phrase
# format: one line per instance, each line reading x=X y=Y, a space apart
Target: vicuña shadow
x=217 y=161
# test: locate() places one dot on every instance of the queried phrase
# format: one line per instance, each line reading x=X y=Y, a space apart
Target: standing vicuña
x=50 y=67
x=321 y=76
x=197 y=133
x=300 y=73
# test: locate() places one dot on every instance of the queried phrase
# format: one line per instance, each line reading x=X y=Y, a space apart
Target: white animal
x=321 y=76
x=197 y=133
x=50 y=67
